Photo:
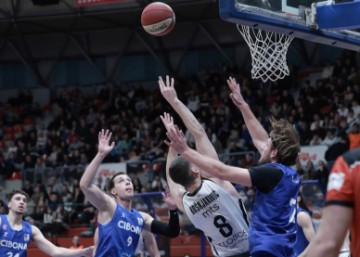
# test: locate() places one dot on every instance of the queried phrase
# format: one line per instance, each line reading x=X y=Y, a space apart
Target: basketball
x=158 y=19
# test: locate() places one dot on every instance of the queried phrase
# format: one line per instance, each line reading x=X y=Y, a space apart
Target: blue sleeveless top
x=14 y=242
x=120 y=236
x=273 y=227
x=301 y=241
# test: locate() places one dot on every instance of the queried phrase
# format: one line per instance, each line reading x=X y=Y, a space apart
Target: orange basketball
x=158 y=19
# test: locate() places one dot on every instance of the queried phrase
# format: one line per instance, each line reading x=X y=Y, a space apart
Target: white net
x=268 y=53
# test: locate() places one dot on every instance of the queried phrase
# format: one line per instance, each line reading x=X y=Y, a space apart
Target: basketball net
x=268 y=53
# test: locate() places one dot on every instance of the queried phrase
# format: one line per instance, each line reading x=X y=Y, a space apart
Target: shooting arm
x=215 y=168
x=258 y=134
x=177 y=191
x=203 y=143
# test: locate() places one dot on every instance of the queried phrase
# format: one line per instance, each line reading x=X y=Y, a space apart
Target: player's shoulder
x=352 y=156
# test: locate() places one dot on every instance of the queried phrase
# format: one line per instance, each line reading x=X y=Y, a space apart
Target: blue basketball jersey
x=120 y=236
x=13 y=243
x=301 y=241
x=273 y=228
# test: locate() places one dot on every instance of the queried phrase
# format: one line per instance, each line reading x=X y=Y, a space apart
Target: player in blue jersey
x=273 y=225
x=306 y=230
x=16 y=234
x=120 y=225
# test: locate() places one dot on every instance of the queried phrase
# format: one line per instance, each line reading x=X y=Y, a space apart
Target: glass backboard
x=333 y=22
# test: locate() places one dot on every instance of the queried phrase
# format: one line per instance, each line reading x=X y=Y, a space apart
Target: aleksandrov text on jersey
x=220 y=216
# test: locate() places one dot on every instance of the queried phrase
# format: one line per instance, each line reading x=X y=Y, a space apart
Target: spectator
x=329 y=139
x=354 y=136
x=137 y=185
x=76 y=243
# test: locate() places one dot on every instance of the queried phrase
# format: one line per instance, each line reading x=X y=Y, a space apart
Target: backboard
x=333 y=22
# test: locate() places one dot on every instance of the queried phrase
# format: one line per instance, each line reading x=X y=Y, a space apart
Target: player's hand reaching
x=235 y=94
x=88 y=251
x=168 y=121
x=168 y=199
x=104 y=146
x=177 y=140
x=167 y=89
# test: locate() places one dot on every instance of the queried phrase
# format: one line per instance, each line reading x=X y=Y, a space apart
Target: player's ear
x=112 y=192
x=195 y=170
x=273 y=154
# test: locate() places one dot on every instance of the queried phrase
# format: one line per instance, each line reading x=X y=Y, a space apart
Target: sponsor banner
x=314 y=153
x=82 y=3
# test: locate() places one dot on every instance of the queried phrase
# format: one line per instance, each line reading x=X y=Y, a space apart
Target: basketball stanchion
x=268 y=53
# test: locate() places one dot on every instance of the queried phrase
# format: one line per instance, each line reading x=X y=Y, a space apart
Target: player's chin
x=21 y=211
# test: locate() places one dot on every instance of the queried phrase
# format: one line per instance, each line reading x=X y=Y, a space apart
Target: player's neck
x=14 y=219
x=126 y=204
x=194 y=186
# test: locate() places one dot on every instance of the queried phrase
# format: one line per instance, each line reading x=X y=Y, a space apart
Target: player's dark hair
x=110 y=185
x=285 y=140
x=17 y=191
x=180 y=172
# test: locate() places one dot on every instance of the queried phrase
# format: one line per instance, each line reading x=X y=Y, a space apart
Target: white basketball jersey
x=220 y=216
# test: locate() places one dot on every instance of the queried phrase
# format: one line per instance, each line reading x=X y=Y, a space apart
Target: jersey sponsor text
x=13 y=245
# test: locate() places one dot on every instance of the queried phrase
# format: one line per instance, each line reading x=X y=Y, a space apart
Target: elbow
x=199 y=132
x=83 y=186
x=174 y=233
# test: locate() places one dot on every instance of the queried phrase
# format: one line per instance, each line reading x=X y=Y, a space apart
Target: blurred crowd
x=64 y=133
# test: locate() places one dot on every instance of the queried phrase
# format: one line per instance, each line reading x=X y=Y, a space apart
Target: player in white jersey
x=213 y=205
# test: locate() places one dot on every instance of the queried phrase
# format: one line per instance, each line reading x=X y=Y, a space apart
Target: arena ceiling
x=31 y=34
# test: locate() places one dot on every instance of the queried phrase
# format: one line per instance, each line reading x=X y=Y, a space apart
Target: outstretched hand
x=177 y=140
x=89 y=251
x=167 y=120
x=235 y=94
x=104 y=142
x=167 y=90
x=168 y=199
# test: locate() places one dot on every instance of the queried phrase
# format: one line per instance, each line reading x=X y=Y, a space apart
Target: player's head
x=17 y=201
x=284 y=144
x=183 y=172
x=121 y=186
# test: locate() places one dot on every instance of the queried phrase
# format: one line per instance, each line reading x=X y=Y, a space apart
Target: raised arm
x=213 y=167
x=258 y=133
x=93 y=194
x=177 y=191
x=203 y=143
x=49 y=248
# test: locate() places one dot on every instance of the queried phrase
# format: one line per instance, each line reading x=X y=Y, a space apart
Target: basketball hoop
x=268 y=53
